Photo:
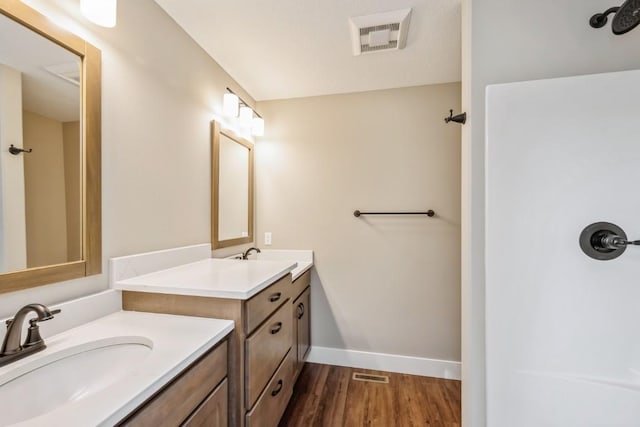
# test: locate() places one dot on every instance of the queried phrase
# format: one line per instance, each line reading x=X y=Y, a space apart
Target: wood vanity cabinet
x=301 y=308
x=198 y=396
x=261 y=357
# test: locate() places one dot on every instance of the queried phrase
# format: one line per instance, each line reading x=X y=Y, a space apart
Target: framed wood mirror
x=231 y=188
x=50 y=197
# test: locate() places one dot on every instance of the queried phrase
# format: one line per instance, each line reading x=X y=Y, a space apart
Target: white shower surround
x=562 y=329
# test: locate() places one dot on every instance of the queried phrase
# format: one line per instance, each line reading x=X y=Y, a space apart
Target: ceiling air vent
x=69 y=71
x=380 y=31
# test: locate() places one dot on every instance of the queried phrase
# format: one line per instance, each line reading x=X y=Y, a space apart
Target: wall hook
x=458 y=118
x=15 y=150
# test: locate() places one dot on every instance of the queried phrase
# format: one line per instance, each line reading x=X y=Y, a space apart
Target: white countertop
x=177 y=341
x=300 y=269
x=303 y=257
x=211 y=277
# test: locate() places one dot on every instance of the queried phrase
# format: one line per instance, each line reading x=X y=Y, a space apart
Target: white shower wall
x=563 y=346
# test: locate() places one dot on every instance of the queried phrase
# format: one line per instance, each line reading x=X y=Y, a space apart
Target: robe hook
x=15 y=150
x=459 y=118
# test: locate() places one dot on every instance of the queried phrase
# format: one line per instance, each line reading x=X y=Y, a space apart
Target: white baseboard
x=386 y=362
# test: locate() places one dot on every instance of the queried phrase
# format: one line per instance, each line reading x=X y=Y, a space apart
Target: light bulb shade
x=246 y=115
x=257 y=126
x=230 y=103
x=100 y=12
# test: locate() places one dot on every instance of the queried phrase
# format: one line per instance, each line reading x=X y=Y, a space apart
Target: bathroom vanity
x=271 y=313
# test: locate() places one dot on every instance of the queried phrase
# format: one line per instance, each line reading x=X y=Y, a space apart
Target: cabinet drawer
x=300 y=284
x=264 y=351
x=213 y=411
x=259 y=307
x=177 y=401
x=274 y=399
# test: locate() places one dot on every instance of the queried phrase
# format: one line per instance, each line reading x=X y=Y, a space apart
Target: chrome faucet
x=246 y=253
x=11 y=349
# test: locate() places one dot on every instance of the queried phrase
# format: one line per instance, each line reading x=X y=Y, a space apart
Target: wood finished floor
x=327 y=395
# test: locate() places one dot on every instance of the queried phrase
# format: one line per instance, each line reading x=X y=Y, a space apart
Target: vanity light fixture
x=257 y=126
x=230 y=104
x=100 y=12
x=246 y=114
x=247 y=117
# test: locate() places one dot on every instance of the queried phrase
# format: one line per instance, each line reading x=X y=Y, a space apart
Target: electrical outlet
x=267 y=238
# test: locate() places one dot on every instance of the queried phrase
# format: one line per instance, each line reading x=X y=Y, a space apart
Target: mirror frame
x=216 y=131
x=90 y=57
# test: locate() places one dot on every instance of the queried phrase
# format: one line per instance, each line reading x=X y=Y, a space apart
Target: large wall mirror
x=232 y=189
x=50 y=211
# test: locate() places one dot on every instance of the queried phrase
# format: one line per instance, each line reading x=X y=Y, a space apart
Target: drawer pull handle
x=275 y=297
x=276 y=328
x=300 y=310
x=277 y=389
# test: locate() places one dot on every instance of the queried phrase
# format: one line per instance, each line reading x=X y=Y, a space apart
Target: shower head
x=626 y=17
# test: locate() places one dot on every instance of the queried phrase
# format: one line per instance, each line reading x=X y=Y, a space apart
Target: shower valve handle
x=612 y=241
x=604 y=241
x=632 y=242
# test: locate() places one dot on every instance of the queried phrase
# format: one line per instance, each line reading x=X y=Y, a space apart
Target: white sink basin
x=46 y=383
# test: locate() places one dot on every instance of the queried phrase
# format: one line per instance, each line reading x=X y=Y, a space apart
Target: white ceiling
x=294 y=48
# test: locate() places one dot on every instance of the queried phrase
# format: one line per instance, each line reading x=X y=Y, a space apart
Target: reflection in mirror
x=232 y=189
x=50 y=198
x=40 y=189
x=233 y=181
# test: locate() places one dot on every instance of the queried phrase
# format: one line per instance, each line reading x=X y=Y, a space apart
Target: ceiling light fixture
x=230 y=104
x=100 y=12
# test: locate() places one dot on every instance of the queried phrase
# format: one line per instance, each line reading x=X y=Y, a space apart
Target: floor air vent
x=382 y=379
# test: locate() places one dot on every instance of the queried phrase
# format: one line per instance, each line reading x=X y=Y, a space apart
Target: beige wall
x=13 y=242
x=72 y=175
x=44 y=191
x=384 y=284
x=160 y=91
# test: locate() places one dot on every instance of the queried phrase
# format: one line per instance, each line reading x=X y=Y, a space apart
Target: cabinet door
x=213 y=411
x=303 y=316
x=294 y=339
x=176 y=401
